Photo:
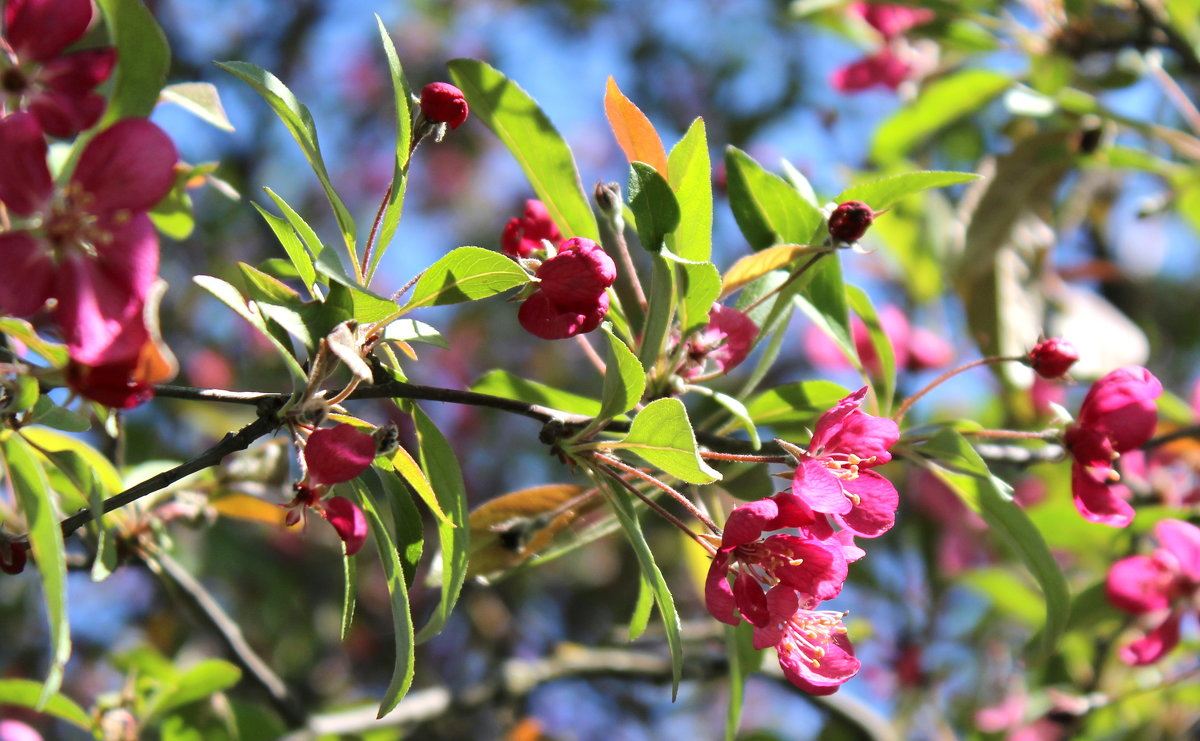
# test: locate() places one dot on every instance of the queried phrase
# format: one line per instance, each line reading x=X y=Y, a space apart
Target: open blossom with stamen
x=813 y=649
x=1117 y=415
x=802 y=563
x=833 y=475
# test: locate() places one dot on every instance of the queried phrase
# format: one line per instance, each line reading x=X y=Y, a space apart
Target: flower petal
x=94 y=312
x=40 y=29
x=1121 y=405
x=718 y=595
x=810 y=566
x=875 y=512
x=820 y=676
x=814 y=485
x=543 y=318
x=337 y=454
x=1182 y=540
x=1097 y=502
x=747 y=521
x=1155 y=644
x=349 y=522
x=25 y=183
x=751 y=600
x=128 y=166
x=1140 y=584
x=25 y=257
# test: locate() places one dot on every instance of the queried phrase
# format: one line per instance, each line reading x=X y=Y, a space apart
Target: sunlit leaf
x=624 y=380
x=402 y=97
x=634 y=132
x=145 y=59
x=882 y=193
x=509 y=386
x=466 y=274
x=939 y=104
x=27 y=693
x=691 y=179
x=653 y=204
x=662 y=435
x=201 y=99
x=758 y=264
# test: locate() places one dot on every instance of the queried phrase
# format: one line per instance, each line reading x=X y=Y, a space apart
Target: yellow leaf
x=245 y=507
x=633 y=130
x=514 y=527
x=760 y=263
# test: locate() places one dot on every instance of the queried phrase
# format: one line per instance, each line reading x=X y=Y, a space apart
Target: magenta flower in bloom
x=725 y=342
x=802 y=563
x=572 y=296
x=1117 y=415
x=914 y=348
x=55 y=87
x=1162 y=586
x=833 y=475
x=523 y=235
x=89 y=246
x=441 y=102
x=886 y=67
x=334 y=455
x=891 y=20
x=1052 y=358
x=813 y=649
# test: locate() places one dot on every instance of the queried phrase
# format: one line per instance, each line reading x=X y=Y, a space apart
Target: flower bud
x=849 y=221
x=571 y=297
x=608 y=198
x=1052 y=358
x=13 y=554
x=441 y=102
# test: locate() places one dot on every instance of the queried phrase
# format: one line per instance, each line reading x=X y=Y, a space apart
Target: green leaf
x=201 y=99
x=662 y=435
x=627 y=515
x=660 y=310
x=27 y=693
x=504 y=384
x=699 y=288
x=349 y=591
x=314 y=244
x=299 y=122
x=640 y=619
x=624 y=379
x=739 y=411
x=404 y=465
x=939 y=104
x=393 y=572
x=232 y=298
x=795 y=404
x=410 y=330
x=861 y=303
x=882 y=193
x=409 y=530
x=466 y=274
x=691 y=179
x=28 y=483
x=538 y=148
x=823 y=299
x=172 y=216
x=144 y=58
x=402 y=95
x=653 y=204
x=202 y=680
x=290 y=242
x=24 y=393
x=986 y=494
x=743 y=660
x=441 y=467
x=768 y=210
x=52 y=352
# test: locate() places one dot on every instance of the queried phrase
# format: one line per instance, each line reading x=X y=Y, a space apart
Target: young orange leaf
x=633 y=130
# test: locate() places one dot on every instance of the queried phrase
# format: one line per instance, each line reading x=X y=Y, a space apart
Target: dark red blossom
x=523 y=234
x=13 y=555
x=850 y=221
x=337 y=454
x=1052 y=358
x=348 y=521
x=56 y=88
x=884 y=68
x=441 y=102
x=891 y=20
x=572 y=293
x=1117 y=415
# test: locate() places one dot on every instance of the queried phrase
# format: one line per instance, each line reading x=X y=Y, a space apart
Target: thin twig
x=590 y=353
x=661 y=512
x=666 y=488
x=907 y=404
x=790 y=279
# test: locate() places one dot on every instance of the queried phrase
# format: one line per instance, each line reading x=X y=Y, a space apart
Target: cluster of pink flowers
x=888 y=66
x=523 y=234
x=780 y=578
x=914 y=348
x=86 y=252
x=334 y=455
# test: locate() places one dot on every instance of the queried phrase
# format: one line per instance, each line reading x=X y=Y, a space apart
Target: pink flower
x=348 y=521
x=882 y=68
x=334 y=455
x=891 y=20
x=90 y=246
x=55 y=87
x=813 y=649
x=441 y=102
x=1162 y=586
x=523 y=235
x=1117 y=415
x=833 y=475
x=914 y=348
x=572 y=296
x=1052 y=358
x=725 y=342
x=802 y=563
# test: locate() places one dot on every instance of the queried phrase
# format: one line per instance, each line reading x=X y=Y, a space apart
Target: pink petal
x=39 y=29
x=63 y=115
x=793 y=512
x=1182 y=540
x=738 y=331
x=821 y=570
x=337 y=454
x=718 y=595
x=884 y=68
x=128 y=166
x=833 y=669
x=26 y=258
x=751 y=600
x=349 y=522
x=577 y=275
x=928 y=350
x=543 y=318
x=25 y=184
x=93 y=311
x=1121 y=405
x=891 y=20
x=875 y=512
x=851 y=551
x=830 y=422
x=130 y=257
x=1140 y=584
x=1155 y=644
x=747 y=521
x=78 y=73
x=1097 y=502
x=782 y=604
x=814 y=485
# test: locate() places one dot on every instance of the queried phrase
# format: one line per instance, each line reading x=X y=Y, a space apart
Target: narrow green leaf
x=402 y=95
x=860 y=302
x=986 y=495
x=538 y=148
x=740 y=413
x=144 y=58
x=232 y=298
x=699 y=288
x=407 y=468
x=349 y=591
x=314 y=244
x=201 y=99
x=662 y=435
x=441 y=467
x=691 y=179
x=624 y=379
x=28 y=483
x=798 y=181
x=299 y=122
x=939 y=104
x=627 y=515
x=504 y=384
x=882 y=193
x=743 y=659
x=202 y=680
x=409 y=528
x=54 y=353
x=466 y=274
x=393 y=572
x=410 y=330
x=46 y=412
x=767 y=209
x=290 y=242
x=640 y=619
x=796 y=403
x=660 y=310
x=653 y=204
x=27 y=693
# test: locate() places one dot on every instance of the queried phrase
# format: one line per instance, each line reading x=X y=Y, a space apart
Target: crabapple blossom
x=725 y=342
x=333 y=456
x=813 y=650
x=441 y=102
x=1052 y=358
x=571 y=297
x=523 y=234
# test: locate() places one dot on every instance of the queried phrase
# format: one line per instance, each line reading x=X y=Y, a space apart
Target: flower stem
x=670 y=490
x=899 y=415
x=661 y=512
x=712 y=455
x=790 y=279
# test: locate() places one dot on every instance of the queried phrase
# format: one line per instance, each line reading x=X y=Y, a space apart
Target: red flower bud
x=1053 y=357
x=849 y=221
x=571 y=298
x=441 y=102
x=12 y=556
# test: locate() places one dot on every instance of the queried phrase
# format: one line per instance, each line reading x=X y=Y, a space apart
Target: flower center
x=810 y=631
x=72 y=229
x=13 y=81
